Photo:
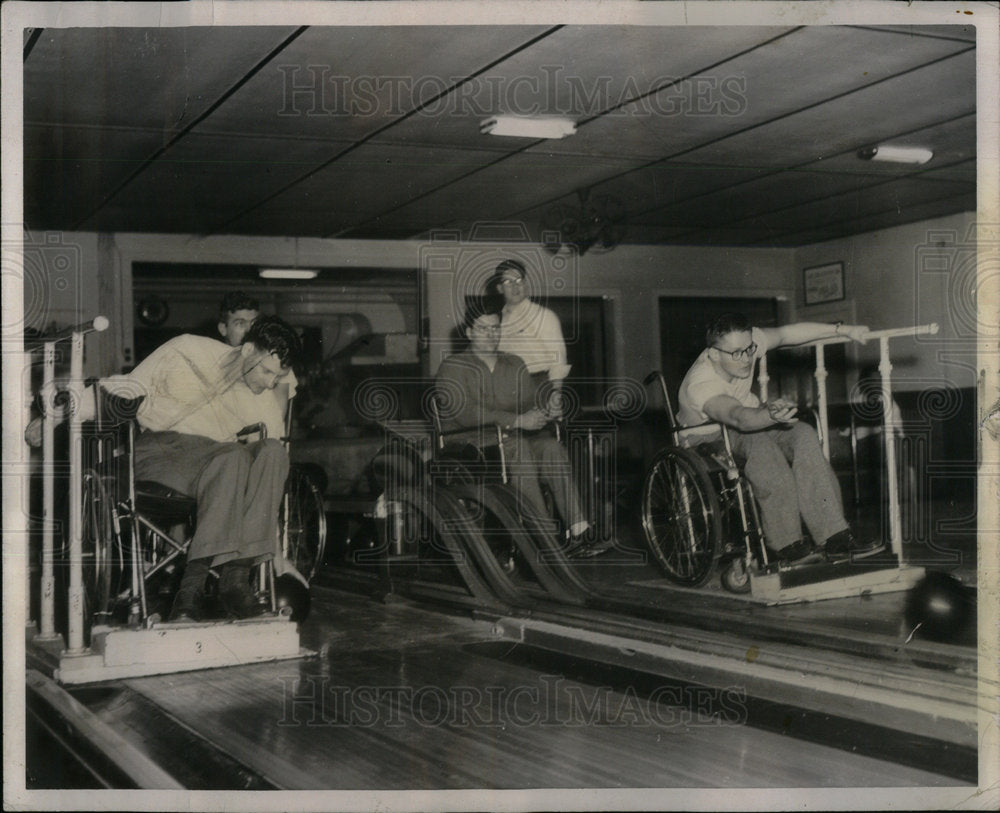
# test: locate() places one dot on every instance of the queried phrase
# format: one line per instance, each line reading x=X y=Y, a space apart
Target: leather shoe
x=798 y=553
x=580 y=549
x=240 y=604
x=844 y=546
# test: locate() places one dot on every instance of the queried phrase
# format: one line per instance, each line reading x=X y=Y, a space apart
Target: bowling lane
x=400 y=697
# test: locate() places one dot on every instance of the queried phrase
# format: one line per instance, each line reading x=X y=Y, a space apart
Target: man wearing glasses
x=533 y=333
x=782 y=458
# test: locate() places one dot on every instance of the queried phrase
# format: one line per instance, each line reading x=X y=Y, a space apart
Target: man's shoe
x=589 y=551
x=798 y=553
x=844 y=546
x=239 y=604
x=235 y=596
x=187 y=602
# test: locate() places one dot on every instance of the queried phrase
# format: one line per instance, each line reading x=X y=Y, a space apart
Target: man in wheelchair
x=482 y=387
x=782 y=458
x=197 y=395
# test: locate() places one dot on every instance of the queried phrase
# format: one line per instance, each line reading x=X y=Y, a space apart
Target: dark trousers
x=537 y=457
x=238 y=488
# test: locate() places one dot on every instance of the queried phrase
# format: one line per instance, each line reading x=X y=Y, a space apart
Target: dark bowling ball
x=940 y=605
x=293 y=595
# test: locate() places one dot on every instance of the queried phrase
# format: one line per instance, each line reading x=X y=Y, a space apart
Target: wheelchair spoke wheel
x=681 y=516
x=302 y=524
x=99 y=546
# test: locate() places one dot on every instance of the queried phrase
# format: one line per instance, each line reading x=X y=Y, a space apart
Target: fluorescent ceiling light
x=528 y=127
x=896 y=155
x=287 y=273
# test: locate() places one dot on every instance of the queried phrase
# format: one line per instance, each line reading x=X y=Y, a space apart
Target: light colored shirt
x=194 y=385
x=703 y=382
x=534 y=333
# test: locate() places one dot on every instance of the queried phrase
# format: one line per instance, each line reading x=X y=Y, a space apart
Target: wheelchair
x=698 y=509
x=136 y=533
x=447 y=501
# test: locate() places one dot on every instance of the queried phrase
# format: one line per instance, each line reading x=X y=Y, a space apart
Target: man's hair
x=511 y=265
x=479 y=306
x=272 y=334
x=236 y=301
x=724 y=325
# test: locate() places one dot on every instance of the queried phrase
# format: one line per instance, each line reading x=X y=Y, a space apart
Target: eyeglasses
x=740 y=355
x=509 y=283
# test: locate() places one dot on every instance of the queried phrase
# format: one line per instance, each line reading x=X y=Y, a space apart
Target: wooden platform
x=828 y=581
x=117 y=652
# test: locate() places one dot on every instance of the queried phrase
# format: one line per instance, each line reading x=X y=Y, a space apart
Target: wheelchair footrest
x=826 y=581
x=119 y=652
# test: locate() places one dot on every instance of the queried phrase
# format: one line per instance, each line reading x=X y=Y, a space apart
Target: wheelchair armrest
x=691 y=435
x=243 y=436
x=483 y=435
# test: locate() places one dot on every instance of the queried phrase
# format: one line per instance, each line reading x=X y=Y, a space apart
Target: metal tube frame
x=888 y=420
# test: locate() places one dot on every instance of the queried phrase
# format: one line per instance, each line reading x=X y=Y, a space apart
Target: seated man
x=782 y=459
x=236 y=313
x=198 y=393
x=481 y=386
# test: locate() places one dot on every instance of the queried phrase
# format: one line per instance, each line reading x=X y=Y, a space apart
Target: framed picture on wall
x=823 y=283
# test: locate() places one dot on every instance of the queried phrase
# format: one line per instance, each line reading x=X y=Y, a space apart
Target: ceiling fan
x=596 y=224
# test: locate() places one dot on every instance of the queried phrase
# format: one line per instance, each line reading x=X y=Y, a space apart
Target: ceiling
x=686 y=135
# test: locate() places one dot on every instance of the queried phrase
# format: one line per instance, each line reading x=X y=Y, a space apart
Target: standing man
x=782 y=458
x=533 y=333
x=483 y=386
x=236 y=313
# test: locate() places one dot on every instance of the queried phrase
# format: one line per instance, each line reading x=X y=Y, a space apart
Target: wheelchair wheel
x=99 y=544
x=735 y=577
x=681 y=516
x=302 y=523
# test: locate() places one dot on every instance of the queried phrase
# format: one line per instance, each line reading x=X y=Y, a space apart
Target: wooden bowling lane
x=400 y=697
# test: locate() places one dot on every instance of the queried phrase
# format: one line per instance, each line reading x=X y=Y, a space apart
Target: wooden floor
x=399 y=697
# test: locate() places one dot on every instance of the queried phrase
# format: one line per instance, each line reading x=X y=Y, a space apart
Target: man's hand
x=554 y=408
x=782 y=411
x=857 y=333
x=531 y=420
x=33 y=434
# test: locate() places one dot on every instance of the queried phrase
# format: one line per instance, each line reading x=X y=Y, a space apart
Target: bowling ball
x=940 y=605
x=292 y=595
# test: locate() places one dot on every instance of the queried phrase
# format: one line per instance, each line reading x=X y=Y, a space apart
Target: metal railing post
x=76 y=598
x=821 y=375
x=47 y=586
x=889 y=442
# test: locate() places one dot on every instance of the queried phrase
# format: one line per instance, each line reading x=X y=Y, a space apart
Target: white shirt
x=534 y=333
x=703 y=382
x=194 y=385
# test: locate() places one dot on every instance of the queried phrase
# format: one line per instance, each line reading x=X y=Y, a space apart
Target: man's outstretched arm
x=802 y=332
x=727 y=410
